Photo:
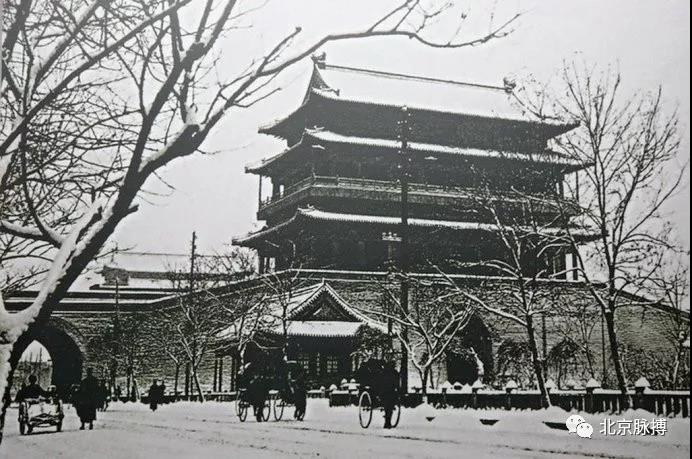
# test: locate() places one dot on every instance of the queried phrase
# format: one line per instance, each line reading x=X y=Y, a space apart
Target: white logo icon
x=584 y=430
x=573 y=421
x=577 y=424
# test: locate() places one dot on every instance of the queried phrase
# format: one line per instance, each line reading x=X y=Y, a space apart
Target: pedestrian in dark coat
x=258 y=392
x=389 y=391
x=300 y=394
x=87 y=399
x=154 y=395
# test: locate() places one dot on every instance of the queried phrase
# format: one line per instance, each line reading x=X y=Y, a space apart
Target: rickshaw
x=243 y=401
x=243 y=405
x=40 y=412
x=369 y=394
x=284 y=397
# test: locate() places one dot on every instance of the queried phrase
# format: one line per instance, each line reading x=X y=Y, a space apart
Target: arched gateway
x=65 y=345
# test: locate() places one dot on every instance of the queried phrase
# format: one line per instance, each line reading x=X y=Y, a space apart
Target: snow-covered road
x=187 y=430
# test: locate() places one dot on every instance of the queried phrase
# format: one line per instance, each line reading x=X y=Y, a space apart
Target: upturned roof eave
x=583 y=235
x=278 y=127
x=316 y=136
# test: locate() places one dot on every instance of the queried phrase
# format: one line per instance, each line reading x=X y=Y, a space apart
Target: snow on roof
x=145 y=269
x=322 y=135
x=147 y=261
x=545 y=156
x=298 y=302
x=466 y=98
x=325 y=216
x=315 y=328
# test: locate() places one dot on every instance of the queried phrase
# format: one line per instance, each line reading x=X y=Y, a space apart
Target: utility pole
x=191 y=289
x=403 y=255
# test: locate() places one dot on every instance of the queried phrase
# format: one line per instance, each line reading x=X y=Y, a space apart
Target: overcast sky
x=648 y=40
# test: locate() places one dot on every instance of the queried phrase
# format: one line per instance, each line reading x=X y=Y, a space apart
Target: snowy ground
x=188 y=430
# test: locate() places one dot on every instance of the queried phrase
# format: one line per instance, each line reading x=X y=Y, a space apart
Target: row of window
x=319 y=364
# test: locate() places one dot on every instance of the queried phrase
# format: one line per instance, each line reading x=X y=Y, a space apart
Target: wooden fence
x=659 y=403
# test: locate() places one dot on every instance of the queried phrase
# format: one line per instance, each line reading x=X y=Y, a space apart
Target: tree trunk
x=15 y=354
x=676 y=368
x=129 y=384
x=195 y=378
x=536 y=362
x=114 y=372
x=177 y=376
x=7 y=398
x=424 y=381
x=615 y=350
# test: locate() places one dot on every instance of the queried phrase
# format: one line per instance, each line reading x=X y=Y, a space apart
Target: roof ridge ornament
x=320 y=60
x=509 y=83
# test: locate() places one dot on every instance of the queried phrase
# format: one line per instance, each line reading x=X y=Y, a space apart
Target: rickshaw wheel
x=365 y=410
x=279 y=406
x=396 y=415
x=238 y=401
x=242 y=413
x=266 y=411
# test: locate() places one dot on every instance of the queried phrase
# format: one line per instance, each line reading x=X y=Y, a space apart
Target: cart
x=369 y=375
x=283 y=398
x=368 y=402
x=243 y=405
x=40 y=412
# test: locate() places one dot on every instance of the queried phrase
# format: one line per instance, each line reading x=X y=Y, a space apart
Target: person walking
x=88 y=397
x=389 y=391
x=300 y=393
x=257 y=393
x=154 y=395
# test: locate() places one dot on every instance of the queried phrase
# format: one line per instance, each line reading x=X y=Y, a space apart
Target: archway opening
x=36 y=361
x=470 y=356
x=62 y=356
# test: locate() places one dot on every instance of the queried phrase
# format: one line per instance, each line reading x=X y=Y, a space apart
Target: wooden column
x=216 y=369
x=259 y=193
x=220 y=377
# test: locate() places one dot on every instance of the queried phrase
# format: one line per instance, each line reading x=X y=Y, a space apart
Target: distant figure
x=87 y=400
x=32 y=390
x=155 y=394
x=118 y=392
x=257 y=392
x=162 y=390
x=300 y=393
x=104 y=396
x=388 y=387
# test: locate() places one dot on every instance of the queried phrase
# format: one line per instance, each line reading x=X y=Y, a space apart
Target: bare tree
x=528 y=239
x=629 y=146
x=98 y=96
x=433 y=319
x=576 y=322
x=672 y=286
x=206 y=305
x=122 y=346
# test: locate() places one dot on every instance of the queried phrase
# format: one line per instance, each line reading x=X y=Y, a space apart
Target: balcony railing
x=322 y=186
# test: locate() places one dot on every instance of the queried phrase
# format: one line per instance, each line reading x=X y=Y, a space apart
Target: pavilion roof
x=319 y=328
x=313 y=137
x=417 y=94
x=300 y=304
x=313 y=214
x=466 y=98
